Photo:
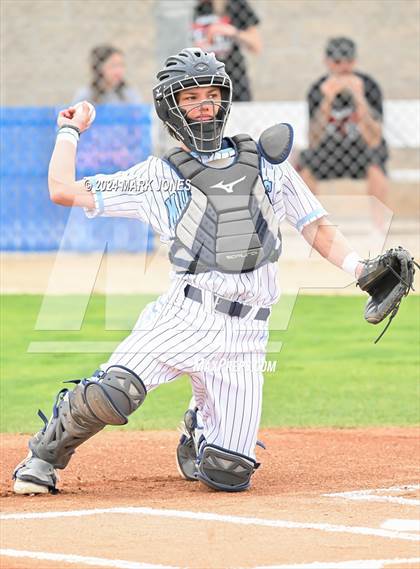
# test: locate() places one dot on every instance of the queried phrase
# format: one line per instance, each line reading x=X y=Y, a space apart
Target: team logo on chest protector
x=229 y=224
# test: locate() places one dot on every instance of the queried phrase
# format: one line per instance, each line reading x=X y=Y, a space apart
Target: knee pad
x=116 y=394
x=107 y=398
x=224 y=469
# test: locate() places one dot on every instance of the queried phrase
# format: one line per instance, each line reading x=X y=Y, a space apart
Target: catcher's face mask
x=197 y=111
x=192 y=68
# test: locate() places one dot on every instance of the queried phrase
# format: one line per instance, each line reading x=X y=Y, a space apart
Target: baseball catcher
x=218 y=202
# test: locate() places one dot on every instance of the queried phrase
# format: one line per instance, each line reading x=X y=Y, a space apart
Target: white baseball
x=92 y=112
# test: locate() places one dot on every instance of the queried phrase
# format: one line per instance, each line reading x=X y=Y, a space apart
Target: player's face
x=342 y=67
x=113 y=69
x=200 y=103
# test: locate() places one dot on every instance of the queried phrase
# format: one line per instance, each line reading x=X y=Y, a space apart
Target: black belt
x=225 y=306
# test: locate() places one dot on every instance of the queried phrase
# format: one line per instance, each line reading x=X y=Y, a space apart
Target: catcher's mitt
x=387 y=279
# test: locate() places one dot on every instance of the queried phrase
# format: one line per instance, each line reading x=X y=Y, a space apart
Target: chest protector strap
x=229 y=224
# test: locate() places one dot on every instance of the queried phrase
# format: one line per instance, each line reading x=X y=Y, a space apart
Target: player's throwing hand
x=80 y=115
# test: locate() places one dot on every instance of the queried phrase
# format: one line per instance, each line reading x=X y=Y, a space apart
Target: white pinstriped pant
x=176 y=335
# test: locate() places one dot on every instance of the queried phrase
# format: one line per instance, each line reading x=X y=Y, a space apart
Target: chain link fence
x=122 y=137
x=344 y=122
x=224 y=28
x=400 y=129
x=29 y=220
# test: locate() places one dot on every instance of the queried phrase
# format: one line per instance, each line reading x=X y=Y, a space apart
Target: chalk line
x=211 y=517
x=80 y=559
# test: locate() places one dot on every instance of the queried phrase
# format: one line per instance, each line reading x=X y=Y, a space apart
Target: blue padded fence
x=119 y=138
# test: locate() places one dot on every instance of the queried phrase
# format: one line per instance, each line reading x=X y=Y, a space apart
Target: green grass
x=329 y=372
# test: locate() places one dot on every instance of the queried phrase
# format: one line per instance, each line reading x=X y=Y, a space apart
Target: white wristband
x=69 y=136
x=350 y=263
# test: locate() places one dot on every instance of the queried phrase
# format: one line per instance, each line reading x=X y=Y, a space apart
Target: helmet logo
x=201 y=66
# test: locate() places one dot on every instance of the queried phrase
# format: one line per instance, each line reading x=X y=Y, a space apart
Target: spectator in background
x=345 y=126
x=108 y=85
x=224 y=27
x=104 y=149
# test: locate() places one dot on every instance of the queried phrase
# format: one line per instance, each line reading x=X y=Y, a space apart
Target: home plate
x=403 y=495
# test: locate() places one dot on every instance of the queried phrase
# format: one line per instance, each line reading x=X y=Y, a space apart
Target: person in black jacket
x=345 y=126
x=224 y=27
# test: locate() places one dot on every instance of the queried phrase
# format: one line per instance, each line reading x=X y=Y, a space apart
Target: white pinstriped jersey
x=152 y=191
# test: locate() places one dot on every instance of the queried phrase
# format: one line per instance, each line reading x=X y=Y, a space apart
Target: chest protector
x=229 y=225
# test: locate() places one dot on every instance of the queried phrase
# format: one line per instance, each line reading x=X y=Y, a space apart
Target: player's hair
x=170 y=132
x=98 y=56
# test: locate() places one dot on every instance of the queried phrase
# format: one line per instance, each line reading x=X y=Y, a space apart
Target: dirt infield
x=286 y=518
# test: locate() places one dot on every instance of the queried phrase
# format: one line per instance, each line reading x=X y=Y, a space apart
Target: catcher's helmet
x=193 y=67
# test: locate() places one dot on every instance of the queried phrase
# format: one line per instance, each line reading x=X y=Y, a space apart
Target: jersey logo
x=175 y=205
x=227 y=187
x=268 y=186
